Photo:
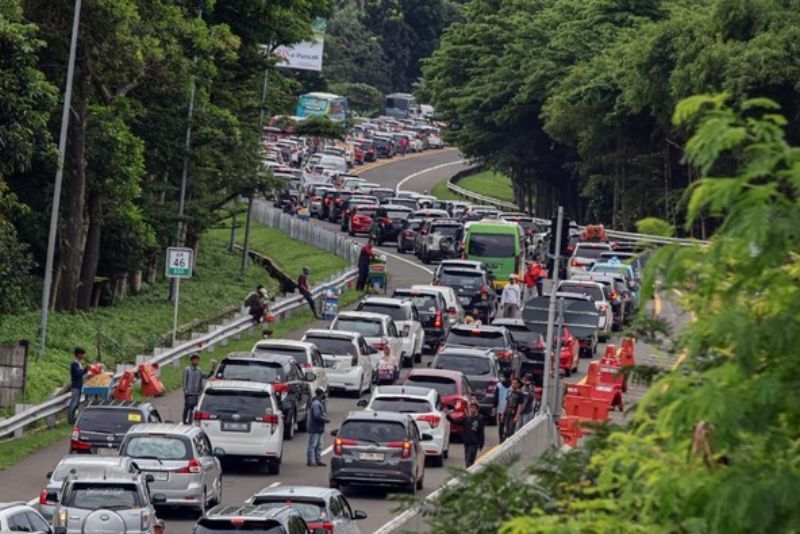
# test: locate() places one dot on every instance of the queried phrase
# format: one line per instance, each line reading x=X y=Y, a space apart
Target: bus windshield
x=320 y=104
x=492 y=245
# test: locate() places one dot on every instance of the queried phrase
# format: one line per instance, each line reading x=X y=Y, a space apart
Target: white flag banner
x=306 y=55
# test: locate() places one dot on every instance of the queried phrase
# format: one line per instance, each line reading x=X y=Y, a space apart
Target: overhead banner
x=306 y=55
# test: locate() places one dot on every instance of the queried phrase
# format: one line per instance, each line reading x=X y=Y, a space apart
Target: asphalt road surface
x=25 y=480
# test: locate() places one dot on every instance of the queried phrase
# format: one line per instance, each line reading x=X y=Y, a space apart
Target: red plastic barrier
x=151 y=385
x=611 y=396
x=124 y=389
x=593 y=375
x=570 y=430
x=579 y=390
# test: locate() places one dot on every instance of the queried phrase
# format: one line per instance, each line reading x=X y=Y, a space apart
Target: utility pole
x=246 y=248
x=62 y=148
x=556 y=401
x=548 y=361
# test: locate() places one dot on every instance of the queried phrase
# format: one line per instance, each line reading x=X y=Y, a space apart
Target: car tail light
x=327 y=526
x=201 y=416
x=338 y=443
x=431 y=419
x=613 y=295
x=192 y=467
x=437 y=321
x=307 y=365
x=407 y=328
x=491 y=386
x=484 y=292
x=405 y=445
x=270 y=418
x=238 y=521
x=76 y=444
x=314 y=199
x=505 y=354
x=407 y=233
x=280 y=387
x=575 y=263
x=43 y=496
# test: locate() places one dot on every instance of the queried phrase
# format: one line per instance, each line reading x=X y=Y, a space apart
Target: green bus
x=499 y=245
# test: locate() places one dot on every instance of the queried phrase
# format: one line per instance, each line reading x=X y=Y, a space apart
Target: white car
x=347 y=359
x=243 y=419
x=584 y=256
x=405 y=317
x=455 y=311
x=19 y=517
x=435 y=141
x=425 y=406
x=307 y=356
x=378 y=330
x=600 y=295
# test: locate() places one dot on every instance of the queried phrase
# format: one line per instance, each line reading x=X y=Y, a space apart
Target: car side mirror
x=158 y=498
x=358 y=515
x=426 y=437
x=309 y=377
x=149 y=478
x=430 y=364
x=49 y=475
x=334 y=432
x=362 y=403
x=219 y=452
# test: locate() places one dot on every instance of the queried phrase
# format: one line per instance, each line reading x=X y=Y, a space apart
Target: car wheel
x=333 y=484
x=407 y=361
x=288 y=426
x=201 y=509
x=421 y=482
x=418 y=356
x=274 y=467
x=446 y=454
x=437 y=461
x=303 y=425
x=218 y=498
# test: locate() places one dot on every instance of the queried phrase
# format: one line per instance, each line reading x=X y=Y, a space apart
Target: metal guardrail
x=57 y=404
x=628 y=236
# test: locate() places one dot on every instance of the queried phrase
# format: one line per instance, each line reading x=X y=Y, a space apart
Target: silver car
x=322 y=508
x=181 y=461
x=82 y=464
x=106 y=504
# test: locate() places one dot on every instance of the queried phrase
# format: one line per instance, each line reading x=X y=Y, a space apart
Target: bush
x=655 y=226
x=15 y=265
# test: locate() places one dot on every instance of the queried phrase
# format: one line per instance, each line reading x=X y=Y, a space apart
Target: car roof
x=267 y=357
x=363 y=315
x=579 y=283
x=430 y=287
x=461 y=263
x=387 y=301
x=396 y=207
x=370 y=415
x=274 y=343
x=408 y=391
x=119 y=404
x=296 y=491
x=482 y=328
x=465 y=351
x=593 y=244
x=444 y=373
x=13 y=504
x=503 y=321
x=462 y=270
x=164 y=428
x=426 y=290
x=339 y=334
x=239 y=385
x=252 y=511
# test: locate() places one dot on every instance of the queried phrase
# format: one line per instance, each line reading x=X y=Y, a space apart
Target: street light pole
x=548 y=361
x=62 y=148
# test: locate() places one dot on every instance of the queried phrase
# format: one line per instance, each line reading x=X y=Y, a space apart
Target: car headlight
x=63 y=518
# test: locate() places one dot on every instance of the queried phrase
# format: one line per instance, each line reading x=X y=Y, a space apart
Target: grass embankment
x=137 y=324
x=488 y=183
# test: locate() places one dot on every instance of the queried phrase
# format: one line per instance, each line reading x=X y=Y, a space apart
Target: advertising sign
x=306 y=55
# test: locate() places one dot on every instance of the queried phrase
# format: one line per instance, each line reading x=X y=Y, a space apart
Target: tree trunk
x=136 y=282
x=91 y=256
x=74 y=233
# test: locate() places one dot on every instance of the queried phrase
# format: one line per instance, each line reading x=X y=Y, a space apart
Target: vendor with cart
x=364 y=259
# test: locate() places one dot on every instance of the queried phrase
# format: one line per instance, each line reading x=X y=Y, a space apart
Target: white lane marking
x=327 y=451
x=395 y=256
x=274 y=485
x=425 y=171
x=33 y=501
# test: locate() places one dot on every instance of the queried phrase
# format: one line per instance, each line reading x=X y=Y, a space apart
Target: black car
x=286 y=376
x=408 y=235
x=530 y=344
x=382 y=193
x=370 y=152
x=481 y=369
x=432 y=311
x=102 y=424
x=389 y=222
x=338 y=204
x=409 y=202
x=347 y=206
x=384 y=147
x=327 y=201
x=487 y=337
x=473 y=289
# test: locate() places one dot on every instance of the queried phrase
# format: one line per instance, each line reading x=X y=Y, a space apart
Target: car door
x=211 y=466
x=395 y=341
x=38 y=524
x=18 y=522
x=344 y=518
x=416 y=330
x=414 y=437
x=318 y=367
x=363 y=356
x=302 y=389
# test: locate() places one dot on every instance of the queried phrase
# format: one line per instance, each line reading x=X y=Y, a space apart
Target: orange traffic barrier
x=151 y=385
x=570 y=430
x=609 y=395
x=593 y=375
x=580 y=390
x=124 y=388
x=610 y=353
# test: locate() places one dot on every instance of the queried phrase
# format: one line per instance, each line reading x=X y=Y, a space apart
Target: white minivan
x=347 y=359
x=306 y=355
x=405 y=317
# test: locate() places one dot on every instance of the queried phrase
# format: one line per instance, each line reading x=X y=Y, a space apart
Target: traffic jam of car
x=126 y=464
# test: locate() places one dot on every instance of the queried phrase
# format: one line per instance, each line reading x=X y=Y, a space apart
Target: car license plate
x=106 y=451
x=233 y=426
x=160 y=476
x=464 y=300
x=371 y=456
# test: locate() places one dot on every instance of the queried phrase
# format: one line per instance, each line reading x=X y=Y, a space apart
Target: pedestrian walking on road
x=364 y=259
x=317 y=417
x=77 y=371
x=512 y=297
x=194 y=380
x=302 y=285
x=472 y=432
x=514 y=404
x=534 y=277
x=500 y=398
x=528 y=390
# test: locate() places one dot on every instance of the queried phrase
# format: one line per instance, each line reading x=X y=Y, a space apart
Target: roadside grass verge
x=440 y=191
x=489 y=183
x=139 y=323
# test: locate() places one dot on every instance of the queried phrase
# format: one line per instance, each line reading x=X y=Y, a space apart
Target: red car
x=569 y=357
x=361 y=219
x=453 y=388
x=358 y=155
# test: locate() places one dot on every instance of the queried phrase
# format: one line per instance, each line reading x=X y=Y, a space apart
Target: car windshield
x=310 y=509
x=330 y=345
x=398 y=214
x=594 y=292
x=465 y=280
x=589 y=252
x=375 y=431
x=229 y=401
x=623 y=270
x=161 y=447
x=111 y=421
x=476 y=338
x=414 y=225
x=424 y=303
x=492 y=245
x=398 y=313
x=469 y=365
x=401 y=405
x=442 y=384
x=94 y=496
x=227 y=526
x=252 y=370
x=446 y=229
x=298 y=353
x=365 y=327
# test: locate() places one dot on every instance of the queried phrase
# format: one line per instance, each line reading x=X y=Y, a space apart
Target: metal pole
x=62 y=148
x=246 y=249
x=556 y=407
x=231 y=246
x=548 y=362
x=175 y=311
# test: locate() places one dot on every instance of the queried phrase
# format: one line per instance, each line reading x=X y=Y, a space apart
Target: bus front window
x=492 y=245
x=310 y=105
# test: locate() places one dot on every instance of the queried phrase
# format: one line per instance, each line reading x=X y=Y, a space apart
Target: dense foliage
x=573 y=98
x=138 y=61
x=713 y=445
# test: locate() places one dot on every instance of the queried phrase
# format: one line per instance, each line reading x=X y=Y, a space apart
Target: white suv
x=347 y=359
x=584 y=256
x=600 y=295
x=19 y=517
x=243 y=419
x=405 y=317
x=378 y=330
x=455 y=311
x=306 y=355
x=425 y=406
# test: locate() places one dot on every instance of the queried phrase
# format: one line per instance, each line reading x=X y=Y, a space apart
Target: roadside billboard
x=306 y=55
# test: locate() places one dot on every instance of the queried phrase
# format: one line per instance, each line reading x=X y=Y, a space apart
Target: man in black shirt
x=472 y=434
x=514 y=404
x=76 y=372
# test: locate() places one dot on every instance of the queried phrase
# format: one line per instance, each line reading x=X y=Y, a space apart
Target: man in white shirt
x=512 y=297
